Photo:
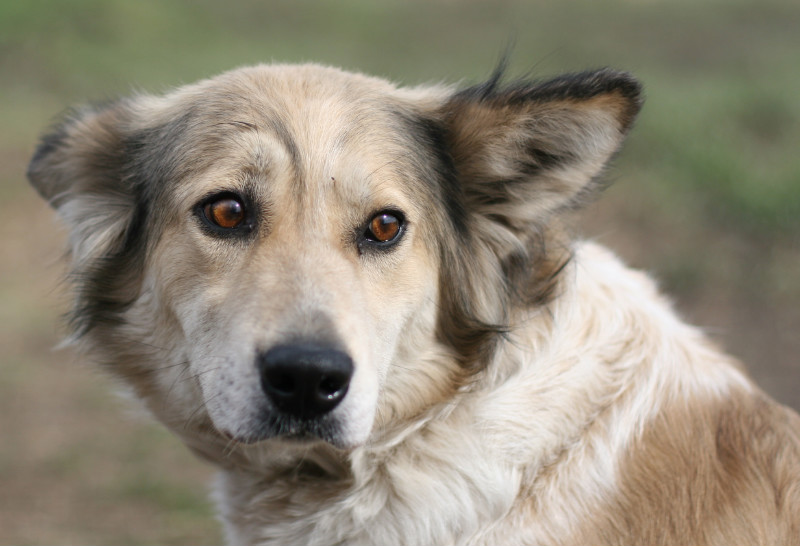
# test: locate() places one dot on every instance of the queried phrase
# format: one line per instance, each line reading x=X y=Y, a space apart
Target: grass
x=707 y=196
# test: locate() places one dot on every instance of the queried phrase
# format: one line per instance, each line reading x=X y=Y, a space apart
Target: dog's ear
x=79 y=168
x=518 y=154
x=84 y=154
x=82 y=169
x=525 y=150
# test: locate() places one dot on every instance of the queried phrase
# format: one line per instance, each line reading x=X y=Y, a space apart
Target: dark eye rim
x=365 y=242
x=245 y=227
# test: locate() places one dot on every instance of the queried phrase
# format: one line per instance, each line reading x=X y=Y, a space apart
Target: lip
x=296 y=432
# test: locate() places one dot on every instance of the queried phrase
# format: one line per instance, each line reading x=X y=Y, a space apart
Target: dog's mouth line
x=297 y=438
x=291 y=430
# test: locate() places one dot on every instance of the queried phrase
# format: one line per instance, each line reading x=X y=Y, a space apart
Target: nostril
x=330 y=385
x=280 y=382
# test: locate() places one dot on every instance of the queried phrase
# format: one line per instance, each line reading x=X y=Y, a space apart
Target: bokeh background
x=706 y=197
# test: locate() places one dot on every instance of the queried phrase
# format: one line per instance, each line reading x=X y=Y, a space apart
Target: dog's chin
x=297 y=433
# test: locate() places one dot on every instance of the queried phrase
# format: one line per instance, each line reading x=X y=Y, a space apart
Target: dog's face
x=296 y=253
x=289 y=252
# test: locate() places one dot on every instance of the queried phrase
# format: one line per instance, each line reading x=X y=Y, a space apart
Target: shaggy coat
x=361 y=303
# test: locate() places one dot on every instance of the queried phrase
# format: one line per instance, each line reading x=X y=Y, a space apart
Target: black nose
x=305 y=381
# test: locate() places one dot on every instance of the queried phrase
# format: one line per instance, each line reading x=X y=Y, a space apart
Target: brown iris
x=226 y=212
x=384 y=227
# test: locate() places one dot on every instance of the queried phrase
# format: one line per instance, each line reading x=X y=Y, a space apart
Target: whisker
x=151 y=371
x=199 y=407
x=230 y=448
x=139 y=342
x=178 y=379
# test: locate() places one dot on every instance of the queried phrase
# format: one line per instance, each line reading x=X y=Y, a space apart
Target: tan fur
x=510 y=385
x=722 y=473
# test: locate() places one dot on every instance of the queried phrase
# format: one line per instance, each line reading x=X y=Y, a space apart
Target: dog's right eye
x=384 y=229
x=225 y=213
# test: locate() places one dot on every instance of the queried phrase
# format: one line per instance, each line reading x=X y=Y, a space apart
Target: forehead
x=308 y=123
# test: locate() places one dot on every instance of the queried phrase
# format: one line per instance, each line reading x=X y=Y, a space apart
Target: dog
x=363 y=303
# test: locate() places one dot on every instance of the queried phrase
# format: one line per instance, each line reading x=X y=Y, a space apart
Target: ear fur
x=84 y=153
x=81 y=169
x=529 y=149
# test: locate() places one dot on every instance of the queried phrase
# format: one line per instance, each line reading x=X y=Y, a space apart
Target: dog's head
x=289 y=251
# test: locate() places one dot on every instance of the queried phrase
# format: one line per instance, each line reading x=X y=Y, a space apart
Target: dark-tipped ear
x=526 y=150
x=521 y=153
x=84 y=154
x=82 y=168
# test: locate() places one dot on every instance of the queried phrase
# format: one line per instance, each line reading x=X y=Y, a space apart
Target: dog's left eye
x=226 y=212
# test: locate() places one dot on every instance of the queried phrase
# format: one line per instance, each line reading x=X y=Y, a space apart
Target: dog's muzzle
x=305 y=381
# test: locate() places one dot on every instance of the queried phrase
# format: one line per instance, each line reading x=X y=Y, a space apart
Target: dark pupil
x=384 y=227
x=227 y=213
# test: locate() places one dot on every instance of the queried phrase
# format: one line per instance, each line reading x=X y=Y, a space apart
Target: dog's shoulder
x=654 y=435
x=715 y=471
x=712 y=459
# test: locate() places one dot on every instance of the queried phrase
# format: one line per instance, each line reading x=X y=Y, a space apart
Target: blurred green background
x=706 y=197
